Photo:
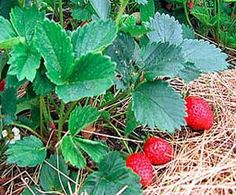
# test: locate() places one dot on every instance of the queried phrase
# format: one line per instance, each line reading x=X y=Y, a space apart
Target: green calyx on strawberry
x=141 y=165
x=199 y=113
x=158 y=150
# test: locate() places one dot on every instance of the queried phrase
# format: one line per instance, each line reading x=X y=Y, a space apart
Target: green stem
x=186 y=13
x=123 y=4
x=61 y=12
x=123 y=141
x=30 y=130
x=70 y=109
x=218 y=20
x=115 y=99
x=61 y=121
x=41 y=114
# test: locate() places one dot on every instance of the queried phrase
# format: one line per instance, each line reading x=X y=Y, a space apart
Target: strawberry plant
x=74 y=78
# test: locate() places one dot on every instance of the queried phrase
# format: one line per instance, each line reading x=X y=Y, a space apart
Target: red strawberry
x=158 y=150
x=199 y=113
x=52 y=125
x=2 y=85
x=141 y=165
x=190 y=5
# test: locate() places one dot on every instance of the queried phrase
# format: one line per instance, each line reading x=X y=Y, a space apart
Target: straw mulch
x=204 y=162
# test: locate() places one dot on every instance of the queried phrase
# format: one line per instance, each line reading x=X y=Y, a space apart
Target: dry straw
x=204 y=162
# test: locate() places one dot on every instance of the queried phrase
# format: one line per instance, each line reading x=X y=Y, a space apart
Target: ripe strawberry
x=199 y=113
x=141 y=165
x=158 y=150
x=2 y=85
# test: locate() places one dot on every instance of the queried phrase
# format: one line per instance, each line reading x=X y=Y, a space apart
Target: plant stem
x=123 y=141
x=123 y=4
x=186 y=13
x=41 y=114
x=218 y=20
x=118 y=97
x=30 y=130
x=71 y=108
x=61 y=121
x=61 y=12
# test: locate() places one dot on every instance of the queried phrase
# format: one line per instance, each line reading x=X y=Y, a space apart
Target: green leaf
x=29 y=189
x=9 y=43
x=93 y=74
x=147 y=11
x=189 y=73
x=8 y=105
x=6 y=6
x=55 y=47
x=113 y=176
x=24 y=60
x=156 y=104
x=102 y=7
x=8 y=35
x=188 y=32
x=202 y=14
x=71 y=152
x=27 y=152
x=131 y=122
x=41 y=84
x=123 y=51
x=95 y=149
x=165 y=29
x=52 y=177
x=204 y=55
x=93 y=37
x=81 y=117
x=24 y=20
x=161 y=59
x=143 y=2
x=81 y=14
x=129 y=26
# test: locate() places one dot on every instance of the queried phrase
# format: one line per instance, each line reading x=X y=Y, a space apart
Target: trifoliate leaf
x=8 y=105
x=102 y=7
x=53 y=174
x=27 y=152
x=95 y=149
x=24 y=61
x=24 y=20
x=204 y=55
x=156 y=104
x=92 y=75
x=93 y=37
x=112 y=176
x=71 y=152
x=54 y=45
x=165 y=29
x=161 y=59
x=82 y=117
